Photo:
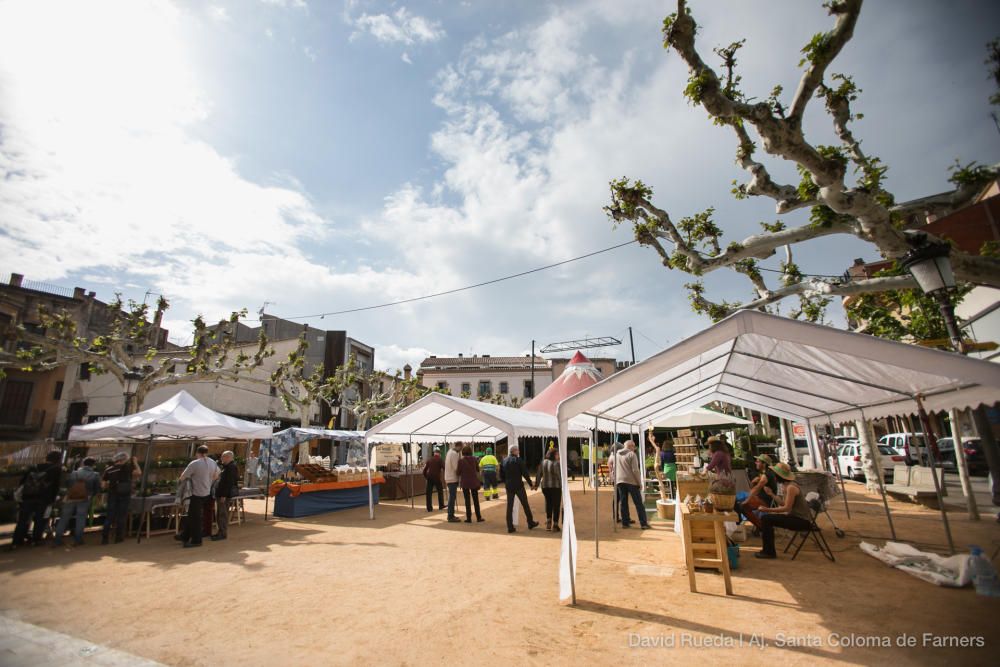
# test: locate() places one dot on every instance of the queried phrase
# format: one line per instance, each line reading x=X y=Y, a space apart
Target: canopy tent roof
x=701 y=417
x=579 y=374
x=784 y=367
x=791 y=369
x=439 y=417
x=180 y=416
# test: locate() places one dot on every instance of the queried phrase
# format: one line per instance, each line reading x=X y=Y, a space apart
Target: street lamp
x=132 y=379
x=930 y=265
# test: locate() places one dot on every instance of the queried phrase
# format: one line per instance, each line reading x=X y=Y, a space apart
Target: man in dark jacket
x=514 y=476
x=117 y=480
x=227 y=489
x=433 y=469
x=39 y=489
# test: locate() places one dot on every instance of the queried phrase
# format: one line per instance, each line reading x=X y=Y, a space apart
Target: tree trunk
x=962 y=466
x=869 y=461
x=304 y=422
x=990 y=450
x=788 y=444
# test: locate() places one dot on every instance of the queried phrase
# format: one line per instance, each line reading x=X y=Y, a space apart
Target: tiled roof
x=473 y=363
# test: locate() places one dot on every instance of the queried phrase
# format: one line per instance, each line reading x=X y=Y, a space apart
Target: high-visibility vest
x=586 y=452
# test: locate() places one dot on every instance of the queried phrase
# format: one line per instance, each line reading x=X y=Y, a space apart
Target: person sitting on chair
x=762 y=492
x=793 y=513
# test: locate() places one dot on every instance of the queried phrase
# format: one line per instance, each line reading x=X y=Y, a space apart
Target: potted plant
x=722 y=493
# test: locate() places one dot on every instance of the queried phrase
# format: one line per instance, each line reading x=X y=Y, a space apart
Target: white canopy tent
x=442 y=418
x=699 y=418
x=796 y=370
x=181 y=417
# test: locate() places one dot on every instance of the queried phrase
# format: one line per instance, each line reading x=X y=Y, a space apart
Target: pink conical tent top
x=579 y=374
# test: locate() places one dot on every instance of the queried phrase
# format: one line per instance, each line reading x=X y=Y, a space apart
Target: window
x=466 y=388
x=529 y=390
x=485 y=388
x=84 y=371
x=442 y=385
x=504 y=388
x=58 y=394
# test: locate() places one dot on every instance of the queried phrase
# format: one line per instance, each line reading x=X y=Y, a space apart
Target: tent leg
x=928 y=433
x=869 y=442
x=142 y=486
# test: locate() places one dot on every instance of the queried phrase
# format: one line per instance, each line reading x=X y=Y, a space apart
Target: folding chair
x=815 y=507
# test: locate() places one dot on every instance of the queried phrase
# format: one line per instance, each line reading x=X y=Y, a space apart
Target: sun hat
x=765 y=459
x=782 y=470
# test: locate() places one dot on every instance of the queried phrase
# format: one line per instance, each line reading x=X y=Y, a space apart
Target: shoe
x=191 y=545
x=216 y=538
x=645 y=526
x=532 y=525
x=468 y=521
x=512 y=530
x=177 y=536
x=625 y=525
x=548 y=525
x=454 y=519
x=766 y=556
x=480 y=519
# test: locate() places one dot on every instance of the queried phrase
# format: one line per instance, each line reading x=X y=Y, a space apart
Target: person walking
x=451 y=479
x=81 y=485
x=433 y=470
x=202 y=471
x=117 y=481
x=227 y=489
x=39 y=489
x=468 y=474
x=490 y=467
x=628 y=479
x=550 y=481
x=514 y=477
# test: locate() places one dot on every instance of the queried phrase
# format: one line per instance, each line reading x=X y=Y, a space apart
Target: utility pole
x=631 y=345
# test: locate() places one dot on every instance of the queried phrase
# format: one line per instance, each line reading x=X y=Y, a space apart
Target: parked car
x=844 y=439
x=849 y=461
x=973 y=454
x=911 y=446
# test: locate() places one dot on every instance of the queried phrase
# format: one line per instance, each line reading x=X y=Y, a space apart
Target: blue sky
x=329 y=155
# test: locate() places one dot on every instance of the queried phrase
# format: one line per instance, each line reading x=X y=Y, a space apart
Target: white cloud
x=218 y=13
x=393 y=357
x=286 y=4
x=400 y=27
x=406 y=58
x=309 y=52
x=268 y=33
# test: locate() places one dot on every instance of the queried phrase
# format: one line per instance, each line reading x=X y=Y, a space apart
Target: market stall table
x=296 y=500
x=705 y=543
x=400 y=485
x=162 y=504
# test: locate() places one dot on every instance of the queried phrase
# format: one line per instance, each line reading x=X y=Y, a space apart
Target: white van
x=911 y=445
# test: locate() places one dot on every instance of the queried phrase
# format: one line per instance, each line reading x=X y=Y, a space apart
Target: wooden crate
x=315 y=473
x=692 y=487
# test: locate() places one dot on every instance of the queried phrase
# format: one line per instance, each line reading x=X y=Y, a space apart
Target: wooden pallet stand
x=705 y=544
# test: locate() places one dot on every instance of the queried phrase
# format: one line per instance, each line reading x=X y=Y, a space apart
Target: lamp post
x=132 y=379
x=930 y=266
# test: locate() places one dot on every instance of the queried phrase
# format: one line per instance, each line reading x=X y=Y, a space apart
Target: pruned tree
x=842 y=185
x=127 y=348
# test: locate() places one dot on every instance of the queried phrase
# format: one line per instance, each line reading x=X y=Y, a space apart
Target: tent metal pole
x=614 y=487
x=928 y=434
x=874 y=453
x=368 y=468
x=593 y=480
x=409 y=469
x=267 y=489
x=142 y=487
x=836 y=466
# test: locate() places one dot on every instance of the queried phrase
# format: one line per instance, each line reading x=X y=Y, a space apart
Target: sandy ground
x=410 y=589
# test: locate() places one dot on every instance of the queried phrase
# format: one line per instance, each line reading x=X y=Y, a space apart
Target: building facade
x=507 y=379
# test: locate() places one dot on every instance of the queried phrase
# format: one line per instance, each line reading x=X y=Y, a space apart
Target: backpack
x=36 y=485
x=77 y=492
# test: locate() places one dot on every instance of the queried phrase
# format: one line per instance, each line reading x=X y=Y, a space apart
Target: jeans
x=69 y=511
x=631 y=490
x=769 y=521
x=192 y=527
x=475 y=500
x=431 y=485
x=222 y=515
x=553 y=501
x=30 y=512
x=520 y=494
x=117 y=513
x=452 y=493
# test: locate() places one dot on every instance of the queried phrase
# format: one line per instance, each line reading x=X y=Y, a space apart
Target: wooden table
x=705 y=543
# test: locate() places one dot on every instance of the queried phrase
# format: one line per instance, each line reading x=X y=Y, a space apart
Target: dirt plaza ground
x=410 y=589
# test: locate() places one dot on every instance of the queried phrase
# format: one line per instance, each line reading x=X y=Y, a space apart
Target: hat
x=765 y=459
x=489 y=450
x=782 y=470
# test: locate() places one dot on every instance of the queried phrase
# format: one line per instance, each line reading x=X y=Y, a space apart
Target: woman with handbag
x=227 y=488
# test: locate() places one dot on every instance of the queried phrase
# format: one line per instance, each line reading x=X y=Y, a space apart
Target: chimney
x=78 y=293
x=459 y=355
x=407 y=371
x=15 y=279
